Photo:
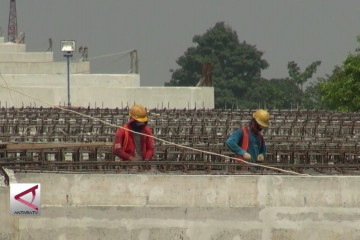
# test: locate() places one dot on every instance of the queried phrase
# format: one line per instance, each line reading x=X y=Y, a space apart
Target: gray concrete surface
x=134 y=206
x=77 y=80
x=37 y=77
x=27 y=57
x=8 y=224
x=45 y=67
x=110 y=97
x=6 y=47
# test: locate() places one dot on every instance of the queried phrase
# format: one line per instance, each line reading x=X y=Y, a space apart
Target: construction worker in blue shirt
x=247 y=142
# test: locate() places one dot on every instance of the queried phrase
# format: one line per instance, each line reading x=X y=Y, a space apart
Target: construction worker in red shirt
x=247 y=142
x=132 y=146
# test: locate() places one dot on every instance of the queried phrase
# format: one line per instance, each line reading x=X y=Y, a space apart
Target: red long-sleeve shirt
x=124 y=145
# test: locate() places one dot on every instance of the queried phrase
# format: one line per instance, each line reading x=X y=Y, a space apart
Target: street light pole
x=68 y=78
x=68 y=47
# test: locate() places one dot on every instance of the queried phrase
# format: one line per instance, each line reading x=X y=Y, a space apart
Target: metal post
x=68 y=47
x=68 y=78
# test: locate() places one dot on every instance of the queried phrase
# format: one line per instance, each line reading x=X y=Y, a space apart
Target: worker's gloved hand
x=247 y=156
x=260 y=158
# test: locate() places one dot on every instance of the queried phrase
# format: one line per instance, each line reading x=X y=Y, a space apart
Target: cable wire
x=112 y=54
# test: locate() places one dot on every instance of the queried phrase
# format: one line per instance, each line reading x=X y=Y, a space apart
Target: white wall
x=76 y=80
x=44 y=68
x=37 y=75
x=110 y=96
x=27 y=57
x=198 y=207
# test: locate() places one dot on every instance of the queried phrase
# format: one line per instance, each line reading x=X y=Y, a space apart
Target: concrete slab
x=9 y=224
x=36 y=80
x=108 y=96
x=26 y=57
x=198 y=207
x=76 y=80
x=197 y=190
x=44 y=68
x=10 y=47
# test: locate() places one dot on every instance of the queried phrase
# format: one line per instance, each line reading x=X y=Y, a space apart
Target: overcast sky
x=161 y=30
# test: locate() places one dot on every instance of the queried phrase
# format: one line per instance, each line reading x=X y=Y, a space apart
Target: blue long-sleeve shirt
x=254 y=148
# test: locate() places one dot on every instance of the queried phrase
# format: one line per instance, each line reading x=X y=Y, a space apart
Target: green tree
x=342 y=90
x=285 y=93
x=307 y=98
x=311 y=98
x=236 y=64
x=298 y=77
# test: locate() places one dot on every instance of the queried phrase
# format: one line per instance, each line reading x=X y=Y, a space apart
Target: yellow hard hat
x=262 y=117
x=138 y=112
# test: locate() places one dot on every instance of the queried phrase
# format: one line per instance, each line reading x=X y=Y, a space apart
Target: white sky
x=161 y=30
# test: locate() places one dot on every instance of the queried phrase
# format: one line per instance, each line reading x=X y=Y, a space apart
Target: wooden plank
x=34 y=146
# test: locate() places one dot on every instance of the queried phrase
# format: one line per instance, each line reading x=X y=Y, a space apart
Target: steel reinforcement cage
x=53 y=139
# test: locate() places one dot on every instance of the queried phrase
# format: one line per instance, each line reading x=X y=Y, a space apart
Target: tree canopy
x=236 y=74
x=310 y=98
x=236 y=64
x=298 y=77
x=341 y=91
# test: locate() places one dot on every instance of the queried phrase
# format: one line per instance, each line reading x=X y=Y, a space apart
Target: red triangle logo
x=32 y=190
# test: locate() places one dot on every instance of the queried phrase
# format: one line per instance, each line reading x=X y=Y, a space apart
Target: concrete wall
x=44 y=68
x=27 y=57
x=38 y=76
x=8 y=224
x=111 y=97
x=12 y=47
x=99 y=206
x=76 y=80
